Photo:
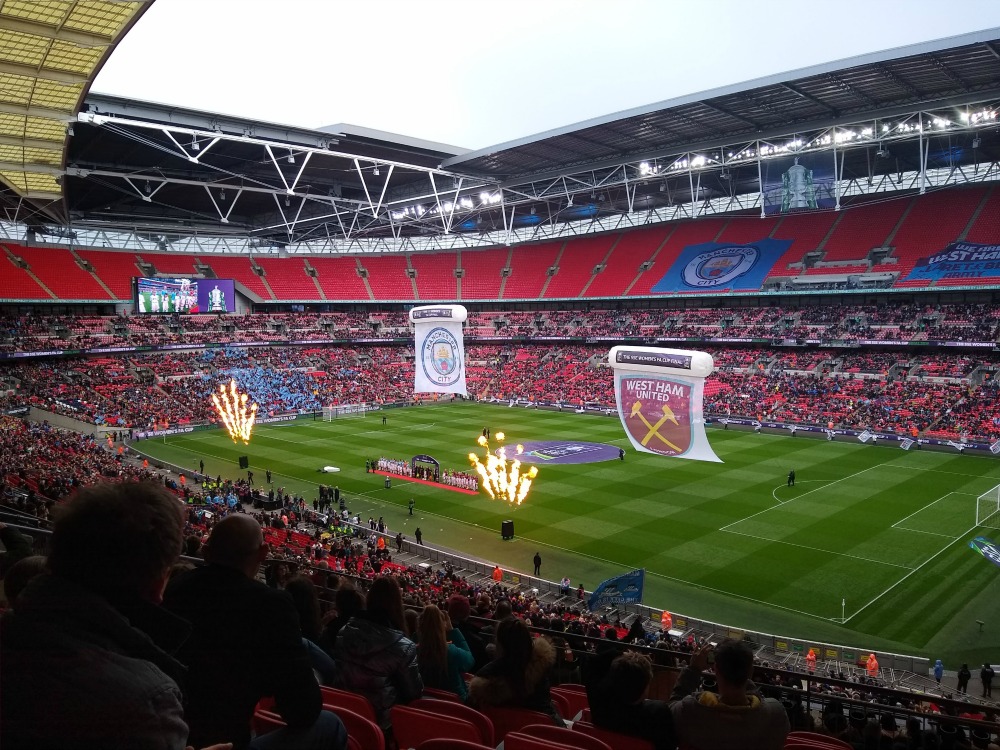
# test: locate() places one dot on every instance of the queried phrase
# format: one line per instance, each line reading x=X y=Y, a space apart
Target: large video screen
x=184 y=296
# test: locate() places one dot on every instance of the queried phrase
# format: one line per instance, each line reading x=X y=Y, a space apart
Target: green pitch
x=883 y=529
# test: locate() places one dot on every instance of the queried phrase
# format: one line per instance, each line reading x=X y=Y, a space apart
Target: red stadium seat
x=614 y=739
x=412 y=726
x=368 y=734
x=563 y=736
x=512 y=719
x=458 y=711
x=335 y=699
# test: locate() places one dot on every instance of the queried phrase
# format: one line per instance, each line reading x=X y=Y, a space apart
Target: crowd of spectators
x=949 y=322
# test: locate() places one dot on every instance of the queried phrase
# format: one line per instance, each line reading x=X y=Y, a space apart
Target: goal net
x=988 y=508
x=344 y=411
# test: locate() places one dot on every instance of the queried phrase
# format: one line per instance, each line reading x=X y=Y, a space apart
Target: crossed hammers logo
x=654 y=429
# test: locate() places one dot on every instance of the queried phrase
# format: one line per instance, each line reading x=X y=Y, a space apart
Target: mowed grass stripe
x=663 y=514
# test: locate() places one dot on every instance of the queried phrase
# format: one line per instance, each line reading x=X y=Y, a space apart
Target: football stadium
x=556 y=443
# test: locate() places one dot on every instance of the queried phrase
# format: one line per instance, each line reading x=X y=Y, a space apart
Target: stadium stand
x=17 y=283
x=807 y=232
x=482 y=273
x=115 y=269
x=677 y=238
x=387 y=276
x=339 y=279
x=240 y=270
x=986 y=227
x=577 y=263
x=288 y=279
x=435 y=276
x=529 y=265
x=862 y=227
x=59 y=272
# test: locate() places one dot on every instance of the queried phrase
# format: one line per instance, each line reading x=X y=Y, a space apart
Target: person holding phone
x=724 y=720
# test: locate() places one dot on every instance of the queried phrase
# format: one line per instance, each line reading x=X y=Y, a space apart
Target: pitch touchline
x=949 y=544
x=819 y=549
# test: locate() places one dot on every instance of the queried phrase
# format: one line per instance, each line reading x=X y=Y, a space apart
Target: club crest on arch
x=439 y=357
x=657 y=413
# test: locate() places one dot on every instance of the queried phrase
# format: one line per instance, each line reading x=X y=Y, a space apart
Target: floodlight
x=194 y=144
x=222 y=195
x=976 y=142
x=376 y=172
x=291 y=157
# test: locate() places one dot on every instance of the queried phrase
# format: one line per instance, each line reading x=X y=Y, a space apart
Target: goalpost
x=345 y=411
x=988 y=508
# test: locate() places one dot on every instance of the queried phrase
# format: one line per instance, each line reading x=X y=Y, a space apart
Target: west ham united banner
x=659 y=394
x=623 y=589
x=440 y=351
x=960 y=260
x=716 y=266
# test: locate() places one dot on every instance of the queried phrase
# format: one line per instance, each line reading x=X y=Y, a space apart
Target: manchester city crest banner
x=659 y=395
x=440 y=351
x=721 y=266
x=623 y=589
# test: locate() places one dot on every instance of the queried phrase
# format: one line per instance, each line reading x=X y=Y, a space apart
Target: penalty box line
x=920 y=510
x=804 y=494
x=820 y=549
x=932 y=557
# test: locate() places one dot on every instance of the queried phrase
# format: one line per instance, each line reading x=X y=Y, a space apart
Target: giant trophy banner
x=659 y=394
x=440 y=349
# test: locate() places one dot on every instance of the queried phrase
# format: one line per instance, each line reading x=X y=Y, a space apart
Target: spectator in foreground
x=725 y=720
x=247 y=645
x=442 y=652
x=616 y=690
x=519 y=675
x=86 y=652
x=374 y=657
x=459 y=610
x=306 y=601
x=20 y=575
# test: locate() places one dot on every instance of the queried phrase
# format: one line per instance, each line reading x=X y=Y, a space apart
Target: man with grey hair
x=247 y=644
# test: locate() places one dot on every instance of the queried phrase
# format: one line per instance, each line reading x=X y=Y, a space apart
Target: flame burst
x=502 y=478
x=232 y=409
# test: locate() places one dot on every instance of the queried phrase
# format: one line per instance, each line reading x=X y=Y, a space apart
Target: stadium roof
x=880 y=84
x=50 y=52
x=161 y=172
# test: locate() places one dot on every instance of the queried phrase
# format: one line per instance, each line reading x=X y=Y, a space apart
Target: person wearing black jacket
x=964 y=675
x=247 y=644
x=374 y=656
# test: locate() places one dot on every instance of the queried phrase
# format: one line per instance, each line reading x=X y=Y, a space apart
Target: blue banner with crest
x=721 y=266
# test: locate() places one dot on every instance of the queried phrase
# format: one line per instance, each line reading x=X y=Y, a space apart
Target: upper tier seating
x=481 y=278
x=631 y=250
x=576 y=264
x=986 y=228
x=115 y=269
x=387 y=277
x=288 y=279
x=59 y=271
x=806 y=231
x=935 y=221
x=339 y=278
x=861 y=228
x=529 y=264
x=680 y=236
x=15 y=283
x=240 y=270
x=436 y=276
